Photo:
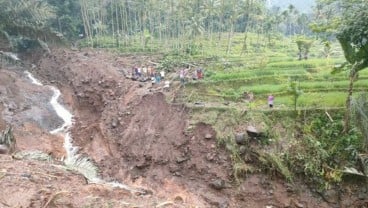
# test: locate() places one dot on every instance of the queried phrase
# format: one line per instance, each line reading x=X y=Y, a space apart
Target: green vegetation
x=244 y=49
x=309 y=146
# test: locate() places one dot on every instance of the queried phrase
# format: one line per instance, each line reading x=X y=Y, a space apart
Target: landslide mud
x=135 y=136
x=132 y=133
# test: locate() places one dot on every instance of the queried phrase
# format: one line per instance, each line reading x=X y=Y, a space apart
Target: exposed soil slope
x=133 y=135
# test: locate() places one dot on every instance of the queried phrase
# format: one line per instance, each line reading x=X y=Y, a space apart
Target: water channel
x=73 y=160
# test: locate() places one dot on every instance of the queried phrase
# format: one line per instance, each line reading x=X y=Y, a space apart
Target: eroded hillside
x=133 y=135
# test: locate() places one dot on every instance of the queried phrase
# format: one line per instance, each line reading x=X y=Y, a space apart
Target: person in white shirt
x=162 y=73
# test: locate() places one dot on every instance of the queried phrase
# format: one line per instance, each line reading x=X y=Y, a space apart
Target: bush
x=322 y=152
x=171 y=61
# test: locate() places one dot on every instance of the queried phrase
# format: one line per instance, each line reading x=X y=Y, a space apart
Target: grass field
x=268 y=69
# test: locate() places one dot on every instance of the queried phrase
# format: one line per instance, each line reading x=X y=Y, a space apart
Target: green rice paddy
x=265 y=70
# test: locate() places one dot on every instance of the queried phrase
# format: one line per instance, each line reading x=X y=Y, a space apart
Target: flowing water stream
x=73 y=160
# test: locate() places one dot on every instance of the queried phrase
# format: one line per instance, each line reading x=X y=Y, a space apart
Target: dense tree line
x=143 y=20
x=187 y=19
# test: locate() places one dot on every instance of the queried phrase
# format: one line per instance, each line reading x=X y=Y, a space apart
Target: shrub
x=322 y=152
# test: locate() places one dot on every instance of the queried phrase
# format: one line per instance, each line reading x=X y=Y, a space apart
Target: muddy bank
x=26 y=107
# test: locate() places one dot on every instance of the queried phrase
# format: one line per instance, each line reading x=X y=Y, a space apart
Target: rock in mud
x=347 y=203
x=217 y=184
x=81 y=95
x=330 y=196
x=143 y=192
x=253 y=132
x=298 y=204
x=363 y=196
x=85 y=81
x=224 y=204
x=242 y=149
x=182 y=159
x=215 y=201
x=178 y=199
x=174 y=168
x=3 y=149
x=210 y=156
x=208 y=136
x=11 y=106
x=114 y=123
x=241 y=138
x=178 y=174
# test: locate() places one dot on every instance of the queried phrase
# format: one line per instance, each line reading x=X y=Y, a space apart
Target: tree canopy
x=347 y=20
x=127 y=20
x=20 y=16
x=353 y=33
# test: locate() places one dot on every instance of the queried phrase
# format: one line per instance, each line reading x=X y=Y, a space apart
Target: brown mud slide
x=133 y=135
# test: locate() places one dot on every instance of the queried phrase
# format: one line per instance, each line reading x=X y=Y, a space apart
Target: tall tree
x=29 y=19
x=24 y=17
x=67 y=19
x=349 y=22
x=211 y=10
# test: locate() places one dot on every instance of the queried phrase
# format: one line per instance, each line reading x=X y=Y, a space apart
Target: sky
x=304 y=6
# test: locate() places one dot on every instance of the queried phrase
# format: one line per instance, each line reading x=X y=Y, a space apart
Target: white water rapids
x=73 y=160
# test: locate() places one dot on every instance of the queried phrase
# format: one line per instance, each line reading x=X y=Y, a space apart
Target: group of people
x=197 y=74
x=150 y=73
x=250 y=97
x=147 y=73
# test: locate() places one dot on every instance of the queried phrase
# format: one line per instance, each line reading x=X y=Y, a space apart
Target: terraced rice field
x=270 y=71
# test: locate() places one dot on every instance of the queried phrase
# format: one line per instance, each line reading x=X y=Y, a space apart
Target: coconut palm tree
x=211 y=13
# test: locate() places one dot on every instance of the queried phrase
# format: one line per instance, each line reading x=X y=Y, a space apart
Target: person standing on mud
x=194 y=75
x=132 y=72
x=144 y=69
x=199 y=73
x=270 y=100
x=182 y=76
x=136 y=71
x=139 y=72
x=149 y=71
x=162 y=74
x=157 y=77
